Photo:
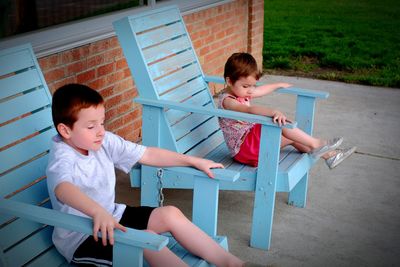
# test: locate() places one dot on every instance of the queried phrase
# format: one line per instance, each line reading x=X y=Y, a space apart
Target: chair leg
x=298 y=195
x=125 y=255
x=264 y=199
x=149 y=187
x=263 y=213
x=205 y=204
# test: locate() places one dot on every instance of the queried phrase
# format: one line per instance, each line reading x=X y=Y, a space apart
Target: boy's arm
x=269 y=88
x=71 y=195
x=154 y=156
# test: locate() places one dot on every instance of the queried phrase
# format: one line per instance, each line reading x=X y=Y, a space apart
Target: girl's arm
x=154 y=156
x=71 y=195
x=269 y=88
x=277 y=116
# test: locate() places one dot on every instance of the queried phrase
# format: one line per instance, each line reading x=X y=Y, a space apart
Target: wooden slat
x=26 y=126
x=200 y=99
x=156 y=19
x=172 y=63
x=290 y=159
x=166 y=49
x=34 y=194
x=13 y=60
x=23 y=104
x=188 y=124
x=179 y=77
x=197 y=135
x=20 y=82
x=207 y=145
x=22 y=176
x=219 y=153
x=50 y=258
x=187 y=90
x=17 y=231
x=24 y=151
x=160 y=34
x=29 y=248
x=236 y=166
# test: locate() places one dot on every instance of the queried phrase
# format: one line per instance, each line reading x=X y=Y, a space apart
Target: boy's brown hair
x=241 y=65
x=69 y=99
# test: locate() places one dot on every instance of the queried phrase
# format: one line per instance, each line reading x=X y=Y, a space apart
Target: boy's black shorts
x=94 y=253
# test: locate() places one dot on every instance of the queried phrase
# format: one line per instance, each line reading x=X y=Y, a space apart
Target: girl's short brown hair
x=241 y=65
x=69 y=99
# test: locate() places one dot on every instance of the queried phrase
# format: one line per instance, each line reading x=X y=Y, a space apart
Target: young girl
x=243 y=138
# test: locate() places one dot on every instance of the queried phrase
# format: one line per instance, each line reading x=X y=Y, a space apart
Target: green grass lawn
x=355 y=41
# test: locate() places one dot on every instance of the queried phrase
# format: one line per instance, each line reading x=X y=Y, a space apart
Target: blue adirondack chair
x=26 y=217
x=179 y=114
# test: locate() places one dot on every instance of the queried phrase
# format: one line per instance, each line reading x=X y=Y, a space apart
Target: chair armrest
x=214 y=79
x=213 y=112
x=290 y=90
x=84 y=225
x=219 y=174
x=304 y=92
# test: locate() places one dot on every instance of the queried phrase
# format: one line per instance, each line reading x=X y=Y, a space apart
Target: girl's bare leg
x=303 y=148
x=171 y=219
x=301 y=138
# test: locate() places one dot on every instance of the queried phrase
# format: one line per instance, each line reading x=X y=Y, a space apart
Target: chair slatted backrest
x=164 y=65
x=26 y=129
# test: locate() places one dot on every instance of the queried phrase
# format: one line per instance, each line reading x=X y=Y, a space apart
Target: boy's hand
x=206 y=165
x=105 y=223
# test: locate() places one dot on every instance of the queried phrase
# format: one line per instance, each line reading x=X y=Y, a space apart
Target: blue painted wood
x=15 y=59
x=19 y=83
x=305 y=117
x=264 y=201
x=26 y=174
x=50 y=258
x=205 y=204
x=77 y=223
x=25 y=151
x=34 y=123
x=212 y=112
x=29 y=248
x=22 y=105
x=26 y=217
x=125 y=255
x=169 y=78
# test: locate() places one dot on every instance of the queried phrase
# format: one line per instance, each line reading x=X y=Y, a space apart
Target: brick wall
x=216 y=33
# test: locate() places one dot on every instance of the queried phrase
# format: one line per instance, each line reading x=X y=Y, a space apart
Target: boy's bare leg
x=164 y=257
x=171 y=219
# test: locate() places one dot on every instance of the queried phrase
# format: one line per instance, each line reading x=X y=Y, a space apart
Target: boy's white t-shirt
x=94 y=174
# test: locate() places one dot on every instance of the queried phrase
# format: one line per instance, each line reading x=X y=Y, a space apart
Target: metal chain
x=160 y=173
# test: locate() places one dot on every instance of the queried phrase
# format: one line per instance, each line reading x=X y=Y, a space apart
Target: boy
x=81 y=181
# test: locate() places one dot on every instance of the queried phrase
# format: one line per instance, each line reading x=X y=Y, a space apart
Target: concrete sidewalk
x=352 y=217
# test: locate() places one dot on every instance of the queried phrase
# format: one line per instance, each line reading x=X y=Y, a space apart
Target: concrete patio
x=352 y=217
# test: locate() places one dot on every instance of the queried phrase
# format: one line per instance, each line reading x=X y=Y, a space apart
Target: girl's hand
x=206 y=165
x=285 y=85
x=279 y=118
x=105 y=223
